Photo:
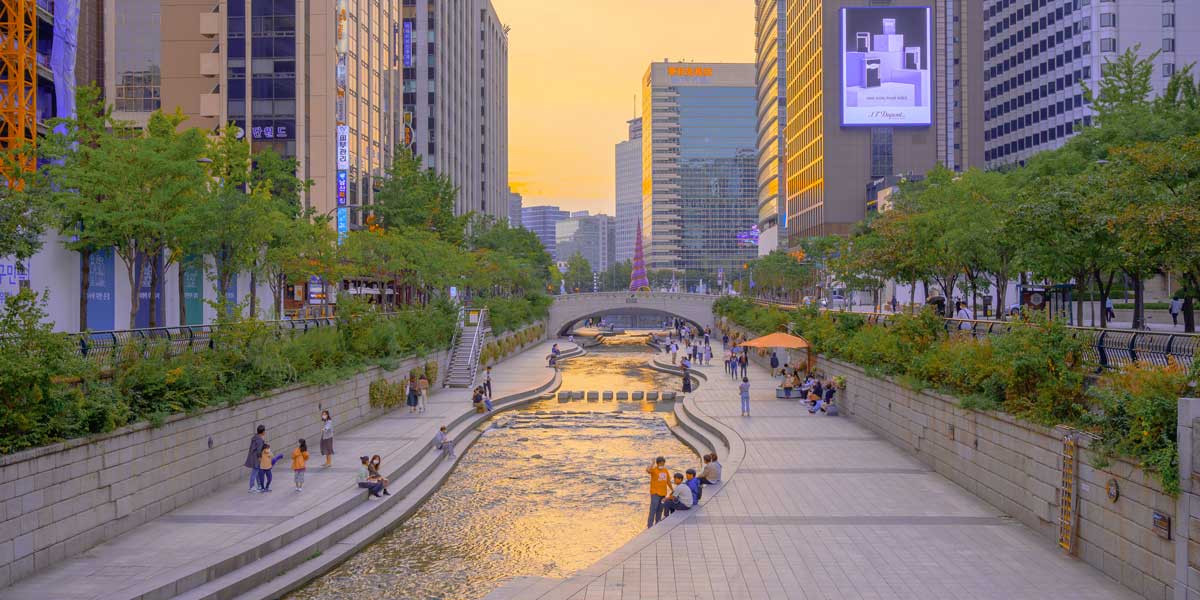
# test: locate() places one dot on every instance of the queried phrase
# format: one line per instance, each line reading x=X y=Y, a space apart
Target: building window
x=1108 y=19
x=1108 y=44
x=881 y=151
x=1168 y=44
x=1168 y=19
x=1168 y=69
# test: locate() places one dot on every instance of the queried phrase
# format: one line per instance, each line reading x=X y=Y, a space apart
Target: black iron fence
x=110 y=347
x=1106 y=348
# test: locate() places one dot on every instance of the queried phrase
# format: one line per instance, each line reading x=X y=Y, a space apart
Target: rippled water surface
x=546 y=491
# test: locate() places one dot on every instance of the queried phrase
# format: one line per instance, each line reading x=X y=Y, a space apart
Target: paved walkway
x=820 y=507
x=231 y=518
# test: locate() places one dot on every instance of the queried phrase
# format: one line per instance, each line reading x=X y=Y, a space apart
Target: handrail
x=477 y=342
x=454 y=339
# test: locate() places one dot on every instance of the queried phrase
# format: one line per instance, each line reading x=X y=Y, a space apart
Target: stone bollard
x=593 y=396
x=622 y=396
x=652 y=396
x=607 y=395
x=638 y=396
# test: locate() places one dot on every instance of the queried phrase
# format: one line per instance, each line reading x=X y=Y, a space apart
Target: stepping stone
x=638 y=395
x=668 y=396
x=622 y=395
x=577 y=395
x=607 y=395
x=651 y=396
x=564 y=396
x=593 y=396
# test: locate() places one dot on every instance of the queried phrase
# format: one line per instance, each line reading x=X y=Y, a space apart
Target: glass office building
x=770 y=50
x=699 y=165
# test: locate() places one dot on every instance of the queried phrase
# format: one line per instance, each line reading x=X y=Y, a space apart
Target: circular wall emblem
x=1036 y=298
x=1113 y=490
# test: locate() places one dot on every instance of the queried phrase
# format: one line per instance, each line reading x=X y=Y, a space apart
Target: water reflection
x=547 y=491
x=618 y=364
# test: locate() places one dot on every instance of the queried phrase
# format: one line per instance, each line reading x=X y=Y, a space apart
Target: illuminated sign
x=343 y=223
x=886 y=74
x=343 y=41
x=689 y=71
x=343 y=147
x=270 y=132
x=408 y=39
x=342 y=185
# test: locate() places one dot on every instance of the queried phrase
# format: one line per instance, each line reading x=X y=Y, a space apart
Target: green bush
x=509 y=314
x=384 y=394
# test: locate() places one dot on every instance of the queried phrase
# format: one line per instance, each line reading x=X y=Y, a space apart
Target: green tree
x=779 y=272
x=579 y=274
x=616 y=278
x=412 y=196
x=24 y=205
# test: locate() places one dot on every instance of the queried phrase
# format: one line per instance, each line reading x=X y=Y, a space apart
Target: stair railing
x=462 y=320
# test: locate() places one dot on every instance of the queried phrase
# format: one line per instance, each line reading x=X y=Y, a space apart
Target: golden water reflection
x=546 y=491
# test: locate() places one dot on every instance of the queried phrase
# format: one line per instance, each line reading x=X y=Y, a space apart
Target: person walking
x=299 y=463
x=687 y=382
x=660 y=488
x=1108 y=306
x=487 y=381
x=1176 y=308
x=423 y=390
x=412 y=395
x=744 y=362
x=327 y=438
x=266 y=464
x=774 y=361
x=724 y=340
x=674 y=351
x=257 y=442
x=744 y=391
x=707 y=354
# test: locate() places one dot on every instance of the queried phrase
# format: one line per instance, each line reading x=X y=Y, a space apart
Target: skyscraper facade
x=875 y=94
x=628 y=190
x=699 y=159
x=455 y=102
x=1040 y=55
x=591 y=236
x=770 y=51
x=541 y=221
x=514 y=208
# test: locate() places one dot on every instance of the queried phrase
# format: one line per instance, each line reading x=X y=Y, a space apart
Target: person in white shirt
x=1176 y=308
x=681 y=496
x=965 y=314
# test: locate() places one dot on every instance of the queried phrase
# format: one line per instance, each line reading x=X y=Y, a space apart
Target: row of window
x=1036 y=139
x=1046 y=89
x=1033 y=117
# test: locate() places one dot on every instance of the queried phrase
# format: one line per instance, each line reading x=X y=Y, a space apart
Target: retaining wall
x=1016 y=466
x=62 y=499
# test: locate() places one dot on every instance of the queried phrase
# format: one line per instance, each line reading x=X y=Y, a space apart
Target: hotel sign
x=343 y=147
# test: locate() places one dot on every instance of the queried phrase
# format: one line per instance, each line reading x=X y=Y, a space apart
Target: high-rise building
x=875 y=93
x=591 y=236
x=514 y=208
x=628 y=190
x=770 y=51
x=1039 y=57
x=455 y=100
x=541 y=221
x=699 y=159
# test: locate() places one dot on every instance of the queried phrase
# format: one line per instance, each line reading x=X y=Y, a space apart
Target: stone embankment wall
x=1016 y=466
x=65 y=498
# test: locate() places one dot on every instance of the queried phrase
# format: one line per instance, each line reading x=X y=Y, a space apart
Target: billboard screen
x=886 y=66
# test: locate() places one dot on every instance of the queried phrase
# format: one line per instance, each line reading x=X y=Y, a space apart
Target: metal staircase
x=468 y=343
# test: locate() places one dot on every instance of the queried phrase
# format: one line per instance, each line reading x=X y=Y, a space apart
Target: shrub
x=385 y=394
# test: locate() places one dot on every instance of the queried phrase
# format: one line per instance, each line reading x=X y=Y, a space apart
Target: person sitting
x=815 y=394
x=680 y=498
x=711 y=473
x=477 y=400
x=442 y=442
x=826 y=399
x=787 y=385
x=365 y=481
x=693 y=484
x=373 y=470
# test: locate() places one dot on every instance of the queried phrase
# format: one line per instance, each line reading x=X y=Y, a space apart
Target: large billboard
x=886 y=66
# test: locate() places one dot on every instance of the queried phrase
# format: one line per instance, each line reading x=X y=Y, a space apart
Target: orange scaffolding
x=18 y=73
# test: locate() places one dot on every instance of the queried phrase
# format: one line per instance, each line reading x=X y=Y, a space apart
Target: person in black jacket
x=254 y=456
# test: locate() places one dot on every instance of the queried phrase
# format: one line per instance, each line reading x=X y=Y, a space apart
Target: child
x=299 y=460
x=693 y=484
x=268 y=460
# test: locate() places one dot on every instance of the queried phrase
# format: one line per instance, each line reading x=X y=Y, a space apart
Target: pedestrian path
x=135 y=564
x=821 y=507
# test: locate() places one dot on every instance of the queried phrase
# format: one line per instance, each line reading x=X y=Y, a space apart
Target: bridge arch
x=569 y=309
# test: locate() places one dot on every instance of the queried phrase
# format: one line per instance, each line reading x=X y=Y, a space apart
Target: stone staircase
x=464 y=359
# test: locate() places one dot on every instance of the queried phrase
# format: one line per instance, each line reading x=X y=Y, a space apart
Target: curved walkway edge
x=264 y=545
x=820 y=507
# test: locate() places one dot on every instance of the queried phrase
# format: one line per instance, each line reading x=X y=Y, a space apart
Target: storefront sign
x=101 y=293
x=270 y=132
x=342 y=185
x=689 y=71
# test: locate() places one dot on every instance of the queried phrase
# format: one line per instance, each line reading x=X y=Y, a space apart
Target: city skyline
x=586 y=80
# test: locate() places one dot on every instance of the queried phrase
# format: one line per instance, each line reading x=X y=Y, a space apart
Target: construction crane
x=18 y=74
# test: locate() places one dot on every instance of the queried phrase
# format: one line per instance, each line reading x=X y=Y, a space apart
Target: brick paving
x=231 y=518
x=820 y=507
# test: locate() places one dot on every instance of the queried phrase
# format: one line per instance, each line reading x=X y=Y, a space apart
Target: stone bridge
x=569 y=309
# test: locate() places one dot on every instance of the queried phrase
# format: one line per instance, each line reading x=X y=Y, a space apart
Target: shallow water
x=546 y=491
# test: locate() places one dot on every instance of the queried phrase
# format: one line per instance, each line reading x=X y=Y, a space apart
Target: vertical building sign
x=343 y=223
x=101 y=294
x=408 y=40
x=144 y=276
x=193 y=290
x=343 y=130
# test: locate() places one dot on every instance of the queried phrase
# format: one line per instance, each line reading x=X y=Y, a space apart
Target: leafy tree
x=780 y=271
x=24 y=205
x=579 y=274
x=419 y=198
x=616 y=278
x=299 y=249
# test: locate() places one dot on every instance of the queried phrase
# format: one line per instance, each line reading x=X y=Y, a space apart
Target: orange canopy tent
x=781 y=340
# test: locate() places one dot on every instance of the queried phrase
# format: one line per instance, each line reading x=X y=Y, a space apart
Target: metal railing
x=477 y=343
x=111 y=347
x=1106 y=348
x=461 y=321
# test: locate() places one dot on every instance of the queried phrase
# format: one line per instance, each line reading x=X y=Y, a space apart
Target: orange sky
x=574 y=71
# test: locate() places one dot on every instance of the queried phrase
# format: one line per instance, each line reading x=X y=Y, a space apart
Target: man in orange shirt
x=660 y=488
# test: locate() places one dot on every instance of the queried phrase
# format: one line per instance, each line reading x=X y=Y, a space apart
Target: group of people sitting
x=819 y=394
x=370 y=476
x=666 y=498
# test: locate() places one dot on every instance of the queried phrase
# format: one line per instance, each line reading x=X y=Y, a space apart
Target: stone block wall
x=1017 y=467
x=65 y=498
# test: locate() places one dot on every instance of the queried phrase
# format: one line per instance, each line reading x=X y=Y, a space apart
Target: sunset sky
x=574 y=75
